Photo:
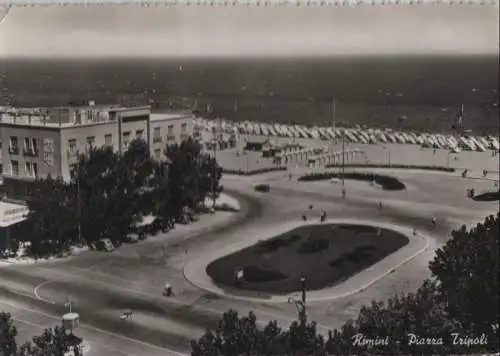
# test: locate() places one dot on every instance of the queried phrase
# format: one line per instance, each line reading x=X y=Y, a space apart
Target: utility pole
x=303 y=316
x=300 y=302
x=215 y=140
x=78 y=198
x=334 y=119
x=343 y=158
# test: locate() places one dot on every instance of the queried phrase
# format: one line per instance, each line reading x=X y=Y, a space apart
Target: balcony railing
x=14 y=150
x=171 y=138
x=31 y=152
x=157 y=139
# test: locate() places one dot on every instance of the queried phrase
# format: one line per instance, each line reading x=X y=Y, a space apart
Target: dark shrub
x=358 y=255
x=254 y=172
x=490 y=196
x=314 y=245
x=386 y=182
x=272 y=245
x=395 y=166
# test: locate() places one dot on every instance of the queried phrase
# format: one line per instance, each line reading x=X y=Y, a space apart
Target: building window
x=91 y=141
x=27 y=143
x=158 y=153
x=184 y=128
x=139 y=134
x=108 y=139
x=14 y=168
x=13 y=145
x=48 y=145
x=35 y=169
x=48 y=158
x=156 y=135
x=72 y=147
x=34 y=146
x=28 y=168
x=170 y=130
x=30 y=147
x=126 y=139
x=1 y=168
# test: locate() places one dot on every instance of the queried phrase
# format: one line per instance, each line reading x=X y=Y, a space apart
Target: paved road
x=102 y=285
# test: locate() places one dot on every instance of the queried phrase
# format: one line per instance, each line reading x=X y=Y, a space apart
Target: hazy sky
x=247 y=31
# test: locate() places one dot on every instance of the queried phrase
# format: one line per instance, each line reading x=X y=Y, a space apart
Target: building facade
x=36 y=143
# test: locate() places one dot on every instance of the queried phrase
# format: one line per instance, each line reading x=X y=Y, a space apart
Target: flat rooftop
x=170 y=116
x=68 y=116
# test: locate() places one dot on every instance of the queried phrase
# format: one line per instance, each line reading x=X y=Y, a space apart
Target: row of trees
x=52 y=342
x=109 y=192
x=458 y=305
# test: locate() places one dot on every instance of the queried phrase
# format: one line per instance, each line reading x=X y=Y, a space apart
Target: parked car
x=105 y=245
x=263 y=188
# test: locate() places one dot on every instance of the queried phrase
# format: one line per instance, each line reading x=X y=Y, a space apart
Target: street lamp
x=300 y=302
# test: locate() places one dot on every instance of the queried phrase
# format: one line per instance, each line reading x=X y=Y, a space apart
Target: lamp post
x=388 y=155
x=300 y=302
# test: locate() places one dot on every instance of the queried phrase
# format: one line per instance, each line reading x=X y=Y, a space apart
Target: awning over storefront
x=11 y=214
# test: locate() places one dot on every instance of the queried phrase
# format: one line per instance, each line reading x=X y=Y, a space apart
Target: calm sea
x=383 y=91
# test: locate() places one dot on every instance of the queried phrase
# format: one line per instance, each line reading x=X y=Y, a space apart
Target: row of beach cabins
x=365 y=136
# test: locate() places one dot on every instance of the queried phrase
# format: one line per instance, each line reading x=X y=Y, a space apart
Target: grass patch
x=258 y=274
x=325 y=254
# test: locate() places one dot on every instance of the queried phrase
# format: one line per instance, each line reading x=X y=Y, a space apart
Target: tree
x=94 y=181
x=466 y=267
x=8 y=333
x=52 y=342
x=192 y=175
x=51 y=220
x=110 y=191
x=468 y=274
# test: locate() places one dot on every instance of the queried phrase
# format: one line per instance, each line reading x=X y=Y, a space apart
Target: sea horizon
x=369 y=89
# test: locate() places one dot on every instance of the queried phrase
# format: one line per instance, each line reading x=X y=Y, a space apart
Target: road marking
x=175 y=353
x=37 y=288
x=177 y=302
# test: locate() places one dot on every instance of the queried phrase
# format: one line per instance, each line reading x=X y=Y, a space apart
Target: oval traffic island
x=325 y=254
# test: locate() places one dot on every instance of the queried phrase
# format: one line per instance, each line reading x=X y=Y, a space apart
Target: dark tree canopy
x=52 y=342
x=110 y=192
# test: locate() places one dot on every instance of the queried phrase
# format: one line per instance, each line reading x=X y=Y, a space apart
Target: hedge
x=241 y=172
x=396 y=166
x=490 y=196
x=386 y=182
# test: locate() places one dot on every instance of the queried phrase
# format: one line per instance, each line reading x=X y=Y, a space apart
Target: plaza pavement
x=103 y=285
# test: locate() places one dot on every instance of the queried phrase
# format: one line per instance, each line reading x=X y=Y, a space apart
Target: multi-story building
x=40 y=142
